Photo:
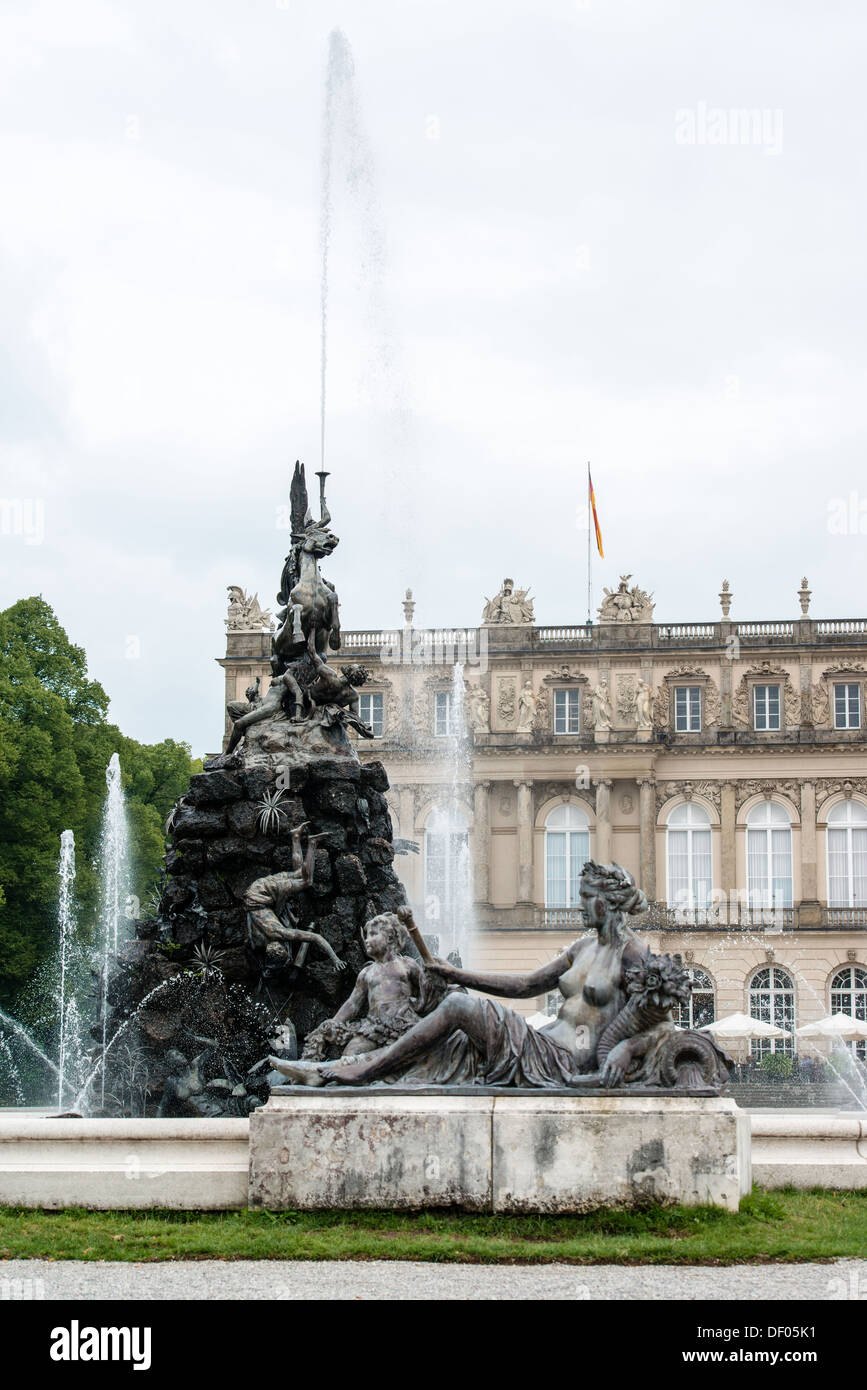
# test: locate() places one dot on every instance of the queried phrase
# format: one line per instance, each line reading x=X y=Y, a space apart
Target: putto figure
x=267 y=904
x=384 y=1004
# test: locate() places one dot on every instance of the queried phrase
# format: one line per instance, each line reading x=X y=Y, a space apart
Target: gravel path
x=401 y=1279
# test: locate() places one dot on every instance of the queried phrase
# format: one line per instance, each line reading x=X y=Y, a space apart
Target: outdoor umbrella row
x=841 y=1026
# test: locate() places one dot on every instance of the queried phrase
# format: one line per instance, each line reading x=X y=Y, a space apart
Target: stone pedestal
x=496 y=1150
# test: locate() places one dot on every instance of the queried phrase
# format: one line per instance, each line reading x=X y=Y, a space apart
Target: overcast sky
x=586 y=257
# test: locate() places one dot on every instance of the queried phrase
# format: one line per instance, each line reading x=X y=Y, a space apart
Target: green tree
x=55 y=745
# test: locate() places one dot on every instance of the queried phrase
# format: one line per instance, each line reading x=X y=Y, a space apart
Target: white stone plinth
x=106 y=1164
x=561 y=1153
x=496 y=1152
x=327 y=1149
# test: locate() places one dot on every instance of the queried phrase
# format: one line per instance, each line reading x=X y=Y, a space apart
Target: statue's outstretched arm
x=508 y=986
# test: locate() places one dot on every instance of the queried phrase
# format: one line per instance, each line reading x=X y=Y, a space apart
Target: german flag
x=595 y=517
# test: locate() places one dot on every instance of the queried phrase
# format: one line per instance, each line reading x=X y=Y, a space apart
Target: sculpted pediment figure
x=625 y=605
x=510 y=605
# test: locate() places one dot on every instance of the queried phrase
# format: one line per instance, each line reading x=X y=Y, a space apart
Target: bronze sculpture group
x=615 y=1025
x=409 y=1018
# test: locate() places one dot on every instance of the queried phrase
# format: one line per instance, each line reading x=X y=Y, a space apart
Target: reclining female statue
x=614 y=1023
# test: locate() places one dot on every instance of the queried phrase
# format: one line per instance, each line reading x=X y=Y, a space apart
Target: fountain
x=113 y=859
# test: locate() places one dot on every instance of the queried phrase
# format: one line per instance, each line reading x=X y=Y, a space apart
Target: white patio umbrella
x=742 y=1026
x=841 y=1026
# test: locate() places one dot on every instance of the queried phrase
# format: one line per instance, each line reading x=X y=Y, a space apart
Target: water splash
x=67 y=927
x=113 y=858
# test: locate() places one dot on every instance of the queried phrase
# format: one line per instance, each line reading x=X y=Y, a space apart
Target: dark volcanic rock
x=377 y=851
x=243 y=819
x=258 y=780
x=210 y=980
x=374 y=776
x=195 y=820
x=179 y=893
x=213 y=893
x=334 y=770
x=233 y=847
x=349 y=873
x=214 y=786
x=334 y=798
x=189 y=855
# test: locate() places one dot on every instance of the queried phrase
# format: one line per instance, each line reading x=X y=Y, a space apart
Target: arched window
x=690 y=871
x=772 y=999
x=769 y=856
x=447 y=875
x=567 y=849
x=849 y=996
x=847 y=854
x=699 y=1009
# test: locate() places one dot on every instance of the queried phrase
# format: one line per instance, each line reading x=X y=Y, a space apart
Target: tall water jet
x=347 y=166
x=448 y=851
x=113 y=863
x=66 y=924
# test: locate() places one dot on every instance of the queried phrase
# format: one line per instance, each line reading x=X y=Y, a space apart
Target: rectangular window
x=847 y=706
x=371 y=711
x=766 y=707
x=687 y=709
x=567 y=712
x=443 y=713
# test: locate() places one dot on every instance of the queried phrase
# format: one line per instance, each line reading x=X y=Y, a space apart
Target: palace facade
x=723 y=763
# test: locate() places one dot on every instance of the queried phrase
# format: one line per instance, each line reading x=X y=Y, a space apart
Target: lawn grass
x=784 y=1225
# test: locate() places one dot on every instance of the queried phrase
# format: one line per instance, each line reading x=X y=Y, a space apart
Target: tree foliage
x=55 y=745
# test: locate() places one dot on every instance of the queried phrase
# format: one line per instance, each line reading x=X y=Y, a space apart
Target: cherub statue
x=391 y=994
x=266 y=902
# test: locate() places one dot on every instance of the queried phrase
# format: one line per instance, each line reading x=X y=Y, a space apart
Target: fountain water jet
x=113 y=857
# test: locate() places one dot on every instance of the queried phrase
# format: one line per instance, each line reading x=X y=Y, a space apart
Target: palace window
x=447 y=875
x=699 y=1010
x=766 y=707
x=370 y=710
x=567 y=849
x=847 y=705
x=567 y=712
x=688 y=843
x=769 y=856
x=443 y=713
x=687 y=709
x=772 y=999
x=849 y=996
x=847 y=854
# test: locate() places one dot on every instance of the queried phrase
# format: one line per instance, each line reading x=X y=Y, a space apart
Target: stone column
x=810 y=914
x=525 y=841
x=603 y=820
x=728 y=860
x=482 y=842
x=647 y=835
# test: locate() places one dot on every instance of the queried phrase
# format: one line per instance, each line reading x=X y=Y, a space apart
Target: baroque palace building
x=724 y=763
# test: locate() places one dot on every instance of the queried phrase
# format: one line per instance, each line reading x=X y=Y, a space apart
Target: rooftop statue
x=245 y=614
x=615 y=1025
x=625 y=605
x=510 y=605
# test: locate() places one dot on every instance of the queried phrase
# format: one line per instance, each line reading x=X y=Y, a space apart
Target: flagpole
x=589 y=570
